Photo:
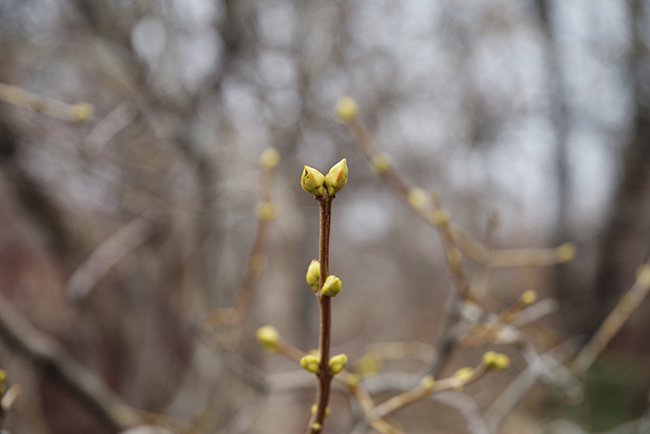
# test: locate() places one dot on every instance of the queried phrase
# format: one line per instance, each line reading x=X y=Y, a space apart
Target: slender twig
x=367 y=405
x=27 y=100
x=22 y=337
x=467 y=407
x=420 y=392
x=115 y=248
x=355 y=389
x=109 y=126
x=538 y=366
x=474 y=249
x=7 y=401
x=613 y=323
x=324 y=375
x=399 y=351
x=447 y=336
x=256 y=261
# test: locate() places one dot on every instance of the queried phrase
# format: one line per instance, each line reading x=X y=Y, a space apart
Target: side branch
x=23 y=338
x=613 y=323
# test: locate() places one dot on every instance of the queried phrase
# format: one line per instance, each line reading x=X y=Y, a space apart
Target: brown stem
x=324 y=375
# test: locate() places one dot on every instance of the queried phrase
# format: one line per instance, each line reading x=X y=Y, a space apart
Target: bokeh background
x=534 y=114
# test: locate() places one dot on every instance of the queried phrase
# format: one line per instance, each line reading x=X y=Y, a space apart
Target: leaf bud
x=418 y=198
x=332 y=286
x=313 y=275
x=496 y=361
x=269 y=158
x=310 y=363
x=337 y=177
x=346 y=109
x=312 y=181
x=565 y=252
x=381 y=164
x=82 y=112
x=338 y=363
x=528 y=297
x=268 y=337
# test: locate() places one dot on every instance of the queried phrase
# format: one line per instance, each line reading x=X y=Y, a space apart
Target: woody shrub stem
x=324 y=375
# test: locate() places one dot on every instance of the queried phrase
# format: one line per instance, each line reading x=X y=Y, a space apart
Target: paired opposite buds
x=314 y=182
x=314 y=409
x=311 y=363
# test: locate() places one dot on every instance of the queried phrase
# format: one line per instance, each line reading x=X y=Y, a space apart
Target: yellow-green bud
x=266 y=211
x=313 y=275
x=310 y=363
x=346 y=109
x=352 y=380
x=528 y=297
x=314 y=409
x=565 y=252
x=496 y=361
x=312 y=181
x=268 y=337
x=332 y=286
x=338 y=363
x=418 y=198
x=269 y=158
x=316 y=426
x=427 y=383
x=337 y=177
x=368 y=366
x=82 y=112
x=463 y=375
x=381 y=164
x=441 y=218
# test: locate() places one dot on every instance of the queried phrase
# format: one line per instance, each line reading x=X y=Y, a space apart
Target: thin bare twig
x=27 y=100
x=7 y=401
x=467 y=407
x=109 y=126
x=423 y=391
x=115 y=248
x=256 y=261
x=538 y=366
x=476 y=250
x=19 y=335
x=613 y=323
